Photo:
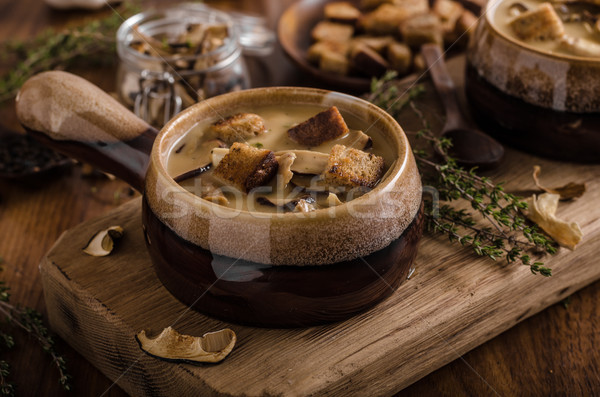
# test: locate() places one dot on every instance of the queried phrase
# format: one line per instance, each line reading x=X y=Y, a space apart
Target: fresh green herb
x=502 y=231
x=566 y=302
x=92 y=43
x=31 y=322
x=258 y=145
x=386 y=94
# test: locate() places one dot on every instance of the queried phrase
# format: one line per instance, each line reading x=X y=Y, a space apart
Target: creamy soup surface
x=576 y=33
x=189 y=154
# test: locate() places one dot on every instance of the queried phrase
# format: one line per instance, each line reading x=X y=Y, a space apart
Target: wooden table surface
x=552 y=353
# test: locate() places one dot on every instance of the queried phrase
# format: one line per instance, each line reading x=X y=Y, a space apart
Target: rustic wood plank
x=453 y=303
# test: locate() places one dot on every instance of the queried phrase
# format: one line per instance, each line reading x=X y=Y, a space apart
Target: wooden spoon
x=470 y=146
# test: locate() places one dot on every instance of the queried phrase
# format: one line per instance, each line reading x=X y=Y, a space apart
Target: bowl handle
x=73 y=116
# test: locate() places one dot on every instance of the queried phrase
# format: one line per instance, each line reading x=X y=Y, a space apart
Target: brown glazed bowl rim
x=489 y=12
x=161 y=148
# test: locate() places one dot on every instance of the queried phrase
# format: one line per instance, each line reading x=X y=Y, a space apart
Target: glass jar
x=157 y=84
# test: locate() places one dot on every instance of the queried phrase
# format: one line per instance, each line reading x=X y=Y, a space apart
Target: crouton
x=387 y=17
x=368 y=61
x=419 y=64
x=422 y=29
x=399 y=57
x=246 y=167
x=318 y=49
x=238 y=128
x=378 y=43
x=449 y=12
x=333 y=62
x=331 y=31
x=353 y=168
x=371 y=4
x=342 y=12
x=325 y=126
x=465 y=26
x=540 y=24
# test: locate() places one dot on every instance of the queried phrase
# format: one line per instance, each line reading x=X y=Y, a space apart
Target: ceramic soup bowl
x=280 y=269
x=537 y=98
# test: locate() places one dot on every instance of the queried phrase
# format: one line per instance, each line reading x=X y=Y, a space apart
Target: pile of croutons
x=385 y=35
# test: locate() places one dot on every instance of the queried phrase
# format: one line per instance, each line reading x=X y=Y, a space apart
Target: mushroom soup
x=555 y=28
x=296 y=158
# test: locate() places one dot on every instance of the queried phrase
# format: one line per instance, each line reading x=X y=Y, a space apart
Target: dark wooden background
x=553 y=353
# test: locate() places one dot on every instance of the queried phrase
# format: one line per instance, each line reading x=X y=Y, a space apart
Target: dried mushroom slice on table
x=570 y=191
x=170 y=345
x=103 y=242
x=542 y=210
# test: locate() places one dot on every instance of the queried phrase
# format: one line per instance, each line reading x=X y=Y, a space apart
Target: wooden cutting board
x=454 y=302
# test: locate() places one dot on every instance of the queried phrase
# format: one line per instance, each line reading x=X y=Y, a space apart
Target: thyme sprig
x=91 y=43
x=500 y=230
x=30 y=321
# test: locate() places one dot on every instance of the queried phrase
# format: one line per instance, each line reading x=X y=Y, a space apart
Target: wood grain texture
x=552 y=353
x=453 y=303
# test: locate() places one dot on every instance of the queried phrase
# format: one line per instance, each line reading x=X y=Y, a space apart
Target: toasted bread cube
x=372 y=4
x=465 y=26
x=246 y=167
x=342 y=11
x=331 y=31
x=400 y=57
x=386 y=19
x=378 y=43
x=422 y=29
x=368 y=61
x=353 y=168
x=449 y=12
x=323 y=127
x=238 y=128
x=333 y=62
x=540 y=24
x=318 y=49
x=419 y=64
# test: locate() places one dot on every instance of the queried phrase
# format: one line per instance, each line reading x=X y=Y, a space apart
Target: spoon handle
x=434 y=58
x=75 y=117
